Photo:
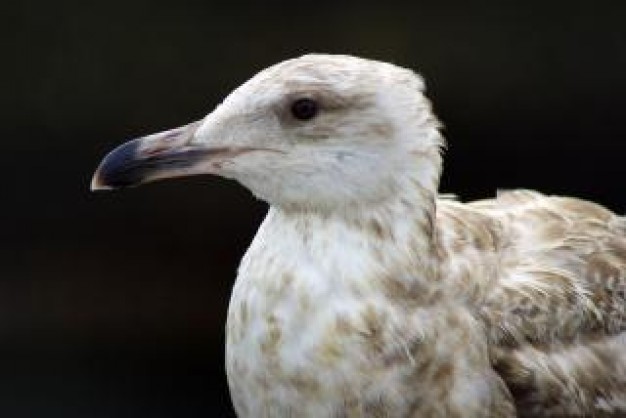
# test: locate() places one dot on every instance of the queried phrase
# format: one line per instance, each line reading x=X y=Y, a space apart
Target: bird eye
x=304 y=109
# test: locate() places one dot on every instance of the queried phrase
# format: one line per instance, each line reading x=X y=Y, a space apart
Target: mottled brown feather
x=548 y=278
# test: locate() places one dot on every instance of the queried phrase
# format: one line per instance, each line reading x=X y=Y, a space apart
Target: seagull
x=365 y=292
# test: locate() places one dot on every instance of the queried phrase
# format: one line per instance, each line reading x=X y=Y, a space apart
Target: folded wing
x=547 y=276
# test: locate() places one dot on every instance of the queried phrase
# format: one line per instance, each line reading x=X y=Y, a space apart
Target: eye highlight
x=304 y=109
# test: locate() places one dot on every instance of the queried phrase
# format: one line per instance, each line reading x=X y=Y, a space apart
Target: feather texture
x=556 y=311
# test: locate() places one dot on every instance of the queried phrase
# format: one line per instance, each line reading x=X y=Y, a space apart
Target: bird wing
x=547 y=276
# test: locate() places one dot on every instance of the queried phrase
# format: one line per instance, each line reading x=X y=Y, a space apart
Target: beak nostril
x=171 y=136
x=155 y=150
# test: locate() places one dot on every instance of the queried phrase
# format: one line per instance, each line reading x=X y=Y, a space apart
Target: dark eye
x=304 y=109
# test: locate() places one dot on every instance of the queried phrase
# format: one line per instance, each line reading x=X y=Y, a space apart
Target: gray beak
x=162 y=155
x=168 y=154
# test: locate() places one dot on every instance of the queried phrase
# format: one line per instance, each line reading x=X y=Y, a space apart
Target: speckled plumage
x=364 y=293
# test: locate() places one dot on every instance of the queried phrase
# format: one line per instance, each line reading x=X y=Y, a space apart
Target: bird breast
x=302 y=341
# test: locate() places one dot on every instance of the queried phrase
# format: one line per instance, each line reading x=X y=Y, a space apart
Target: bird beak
x=162 y=155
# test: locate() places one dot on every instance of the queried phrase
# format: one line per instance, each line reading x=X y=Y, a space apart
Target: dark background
x=113 y=304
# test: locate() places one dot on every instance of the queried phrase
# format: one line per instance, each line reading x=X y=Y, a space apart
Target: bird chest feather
x=320 y=325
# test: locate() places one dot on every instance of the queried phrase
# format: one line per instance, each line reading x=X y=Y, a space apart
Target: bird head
x=319 y=131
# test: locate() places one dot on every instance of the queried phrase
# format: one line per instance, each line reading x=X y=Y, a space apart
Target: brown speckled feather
x=548 y=278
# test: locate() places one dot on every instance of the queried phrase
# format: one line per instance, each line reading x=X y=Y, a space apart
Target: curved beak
x=162 y=155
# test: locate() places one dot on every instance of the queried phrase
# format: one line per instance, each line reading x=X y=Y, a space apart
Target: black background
x=113 y=304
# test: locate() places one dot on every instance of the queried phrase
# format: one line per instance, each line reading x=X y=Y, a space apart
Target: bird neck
x=383 y=248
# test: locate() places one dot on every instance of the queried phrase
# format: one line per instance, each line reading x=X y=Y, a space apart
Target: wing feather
x=548 y=278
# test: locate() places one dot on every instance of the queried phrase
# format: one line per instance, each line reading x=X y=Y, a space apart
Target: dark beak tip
x=117 y=169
